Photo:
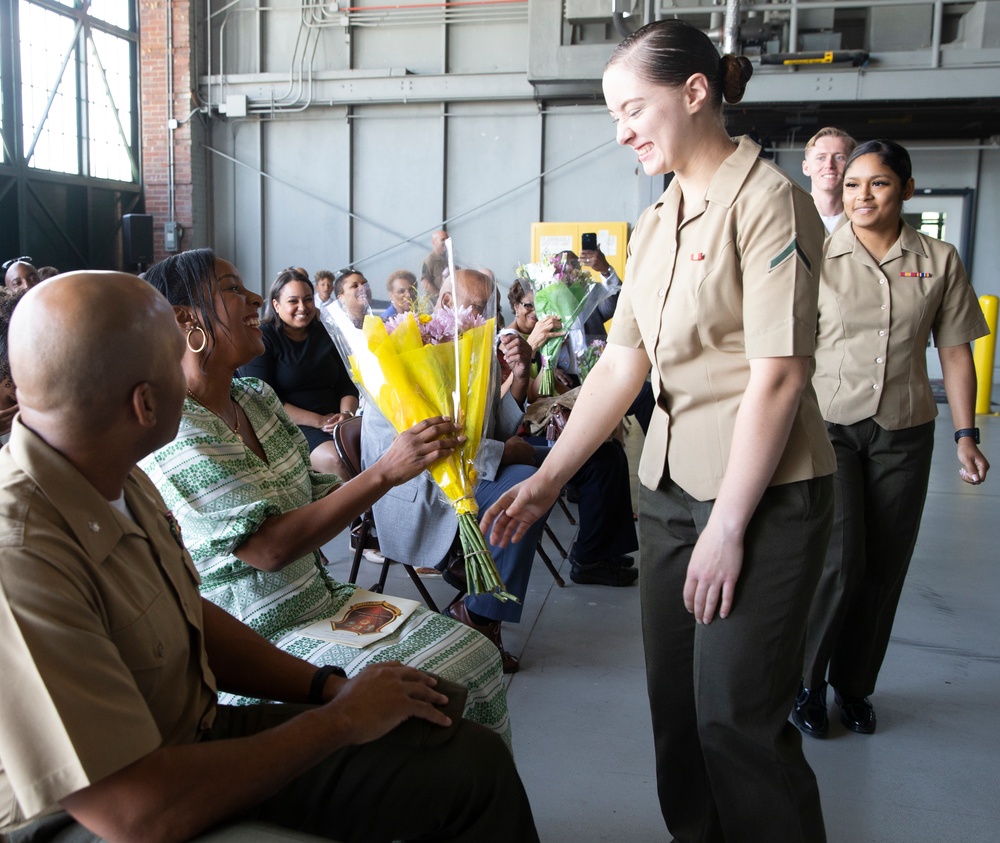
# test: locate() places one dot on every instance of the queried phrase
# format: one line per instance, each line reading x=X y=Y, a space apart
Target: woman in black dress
x=301 y=364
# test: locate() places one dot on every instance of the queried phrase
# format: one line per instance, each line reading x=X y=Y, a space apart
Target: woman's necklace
x=236 y=415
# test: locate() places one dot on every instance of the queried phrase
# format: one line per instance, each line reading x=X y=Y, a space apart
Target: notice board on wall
x=550 y=238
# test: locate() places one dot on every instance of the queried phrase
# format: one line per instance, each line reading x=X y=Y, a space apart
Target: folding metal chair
x=347 y=441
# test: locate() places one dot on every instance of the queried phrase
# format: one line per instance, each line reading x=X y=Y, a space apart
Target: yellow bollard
x=983 y=351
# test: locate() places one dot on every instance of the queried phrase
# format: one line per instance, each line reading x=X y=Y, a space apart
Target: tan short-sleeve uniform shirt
x=736 y=279
x=875 y=318
x=102 y=658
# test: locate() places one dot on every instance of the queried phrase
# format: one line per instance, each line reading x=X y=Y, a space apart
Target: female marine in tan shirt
x=737 y=497
x=885 y=288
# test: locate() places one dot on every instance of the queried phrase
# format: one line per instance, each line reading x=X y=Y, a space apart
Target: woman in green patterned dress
x=254 y=514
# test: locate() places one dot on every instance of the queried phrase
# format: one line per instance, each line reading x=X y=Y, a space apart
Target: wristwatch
x=968 y=431
x=319 y=680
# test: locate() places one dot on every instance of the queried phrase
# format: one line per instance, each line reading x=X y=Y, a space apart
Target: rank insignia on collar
x=697 y=256
x=792 y=249
x=915 y=275
x=175 y=529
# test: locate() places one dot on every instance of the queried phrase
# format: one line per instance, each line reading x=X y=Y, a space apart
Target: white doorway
x=946 y=215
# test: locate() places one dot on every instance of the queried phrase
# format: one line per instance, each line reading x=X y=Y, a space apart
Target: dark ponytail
x=669 y=52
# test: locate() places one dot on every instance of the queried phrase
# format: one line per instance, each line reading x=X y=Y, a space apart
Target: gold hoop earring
x=204 y=339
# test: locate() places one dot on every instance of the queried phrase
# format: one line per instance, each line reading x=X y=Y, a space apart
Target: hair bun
x=735 y=72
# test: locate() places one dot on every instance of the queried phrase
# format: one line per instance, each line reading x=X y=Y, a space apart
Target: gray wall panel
x=304 y=225
x=237 y=199
x=223 y=175
x=249 y=227
x=600 y=183
x=417 y=47
x=492 y=149
x=488 y=48
x=399 y=173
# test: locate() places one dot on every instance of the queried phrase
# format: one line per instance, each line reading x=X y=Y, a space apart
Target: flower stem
x=480 y=570
x=547 y=382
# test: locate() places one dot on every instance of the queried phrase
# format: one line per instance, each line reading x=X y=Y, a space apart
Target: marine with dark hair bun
x=886 y=290
x=736 y=499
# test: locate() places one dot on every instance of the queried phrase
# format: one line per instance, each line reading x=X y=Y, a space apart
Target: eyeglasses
x=528 y=306
x=23 y=259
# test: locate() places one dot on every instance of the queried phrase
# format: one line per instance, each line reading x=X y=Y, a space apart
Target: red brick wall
x=189 y=203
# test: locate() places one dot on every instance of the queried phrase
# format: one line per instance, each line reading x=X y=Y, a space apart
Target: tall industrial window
x=78 y=103
x=4 y=154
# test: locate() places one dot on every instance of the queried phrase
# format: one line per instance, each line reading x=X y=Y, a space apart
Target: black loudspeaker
x=137 y=238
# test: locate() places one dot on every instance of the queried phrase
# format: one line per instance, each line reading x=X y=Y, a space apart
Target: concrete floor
x=931 y=773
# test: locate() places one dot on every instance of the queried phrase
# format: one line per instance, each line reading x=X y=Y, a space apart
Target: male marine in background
x=110 y=659
x=826 y=156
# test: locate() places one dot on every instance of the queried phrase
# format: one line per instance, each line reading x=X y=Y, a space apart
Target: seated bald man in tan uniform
x=110 y=660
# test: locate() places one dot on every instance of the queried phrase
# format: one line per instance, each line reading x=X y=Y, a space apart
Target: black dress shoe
x=602 y=572
x=809 y=713
x=856 y=713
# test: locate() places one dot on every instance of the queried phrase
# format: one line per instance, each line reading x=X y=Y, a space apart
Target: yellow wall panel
x=550 y=238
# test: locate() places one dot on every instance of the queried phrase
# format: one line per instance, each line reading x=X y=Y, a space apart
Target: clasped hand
x=516 y=354
x=545 y=328
x=973 y=465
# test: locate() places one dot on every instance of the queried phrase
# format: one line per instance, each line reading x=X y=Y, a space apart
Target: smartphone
x=588 y=242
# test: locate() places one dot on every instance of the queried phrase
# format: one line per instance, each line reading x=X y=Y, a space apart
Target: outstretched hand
x=420 y=446
x=384 y=695
x=516 y=510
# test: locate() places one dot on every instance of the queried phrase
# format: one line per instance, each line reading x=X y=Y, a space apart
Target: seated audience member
x=593 y=327
x=607 y=528
x=20 y=274
x=402 y=287
x=354 y=294
x=8 y=396
x=253 y=514
x=434 y=266
x=115 y=732
x=414 y=523
x=324 y=289
x=47 y=272
x=301 y=364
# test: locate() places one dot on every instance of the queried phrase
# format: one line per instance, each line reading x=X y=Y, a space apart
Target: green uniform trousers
x=403 y=786
x=729 y=764
x=879 y=492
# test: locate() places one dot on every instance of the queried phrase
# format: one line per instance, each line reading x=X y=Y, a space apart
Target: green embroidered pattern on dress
x=220 y=492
